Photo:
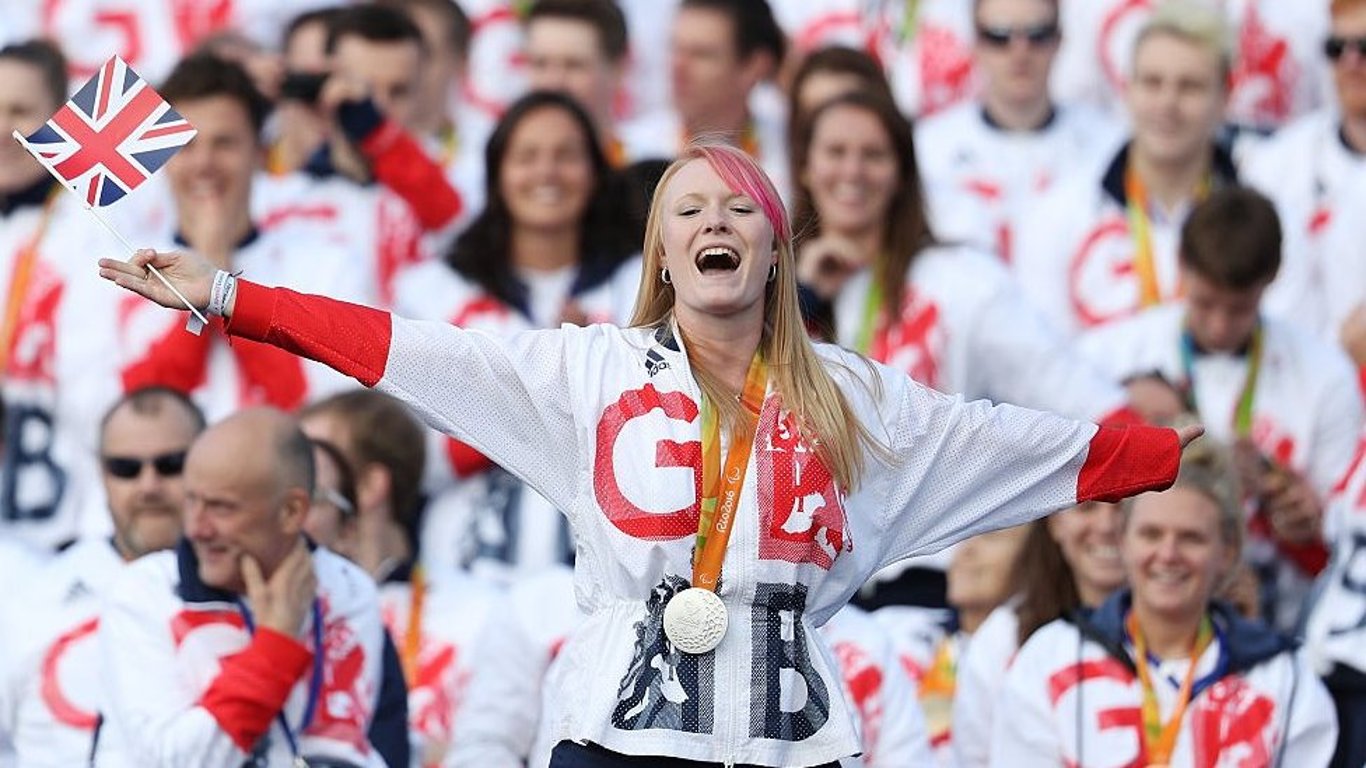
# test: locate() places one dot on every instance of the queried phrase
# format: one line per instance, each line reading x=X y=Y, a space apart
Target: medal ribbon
x=1159 y=740
x=1242 y=414
x=1140 y=227
x=20 y=279
x=315 y=681
x=721 y=493
x=872 y=302
x=412 y=634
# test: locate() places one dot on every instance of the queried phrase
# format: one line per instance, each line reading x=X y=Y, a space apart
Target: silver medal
x=695 y=620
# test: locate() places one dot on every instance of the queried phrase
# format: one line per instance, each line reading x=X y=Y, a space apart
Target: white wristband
x=224 y=286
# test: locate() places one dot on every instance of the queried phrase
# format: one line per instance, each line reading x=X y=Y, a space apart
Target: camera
x=303 y=87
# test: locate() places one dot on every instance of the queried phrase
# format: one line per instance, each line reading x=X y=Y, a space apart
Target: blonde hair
x=809 y=392
x=1339 y=7
x=1194 y=22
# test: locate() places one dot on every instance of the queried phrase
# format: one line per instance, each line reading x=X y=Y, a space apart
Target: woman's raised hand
x=190 y=273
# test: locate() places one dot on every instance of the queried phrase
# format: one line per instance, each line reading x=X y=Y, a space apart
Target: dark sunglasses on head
x=1000 y=37
x=1335 y=46
x=127 y=467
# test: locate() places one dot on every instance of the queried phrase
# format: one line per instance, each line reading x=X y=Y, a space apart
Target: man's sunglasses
x=1335 y=46
x=1037 y=35
x=127 y=467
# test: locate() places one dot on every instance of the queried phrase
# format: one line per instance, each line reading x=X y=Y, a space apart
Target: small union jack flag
x=111 y=136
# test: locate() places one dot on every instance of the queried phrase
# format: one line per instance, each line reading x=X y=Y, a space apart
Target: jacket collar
x=35 y=194
x=1245 y=644
x=1112 y=183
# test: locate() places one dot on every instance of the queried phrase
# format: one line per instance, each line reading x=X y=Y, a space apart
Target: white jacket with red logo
x=481 y=518
x=880 y=692
x=927 y=55
x=61 y=374
x=1316 y=183
x=1077 y=254
x=966 y=329
x=185 y=684
x=455 y=610
x=1072 y=698
x=981 y=179
x=50 y=685
x=223 y=377
x=603 y=422
x=1278 y=71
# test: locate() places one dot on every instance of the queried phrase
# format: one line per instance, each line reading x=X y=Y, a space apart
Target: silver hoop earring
x=664 y=276
x=773 y=271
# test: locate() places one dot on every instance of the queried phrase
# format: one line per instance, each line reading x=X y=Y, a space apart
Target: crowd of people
x=768 y=382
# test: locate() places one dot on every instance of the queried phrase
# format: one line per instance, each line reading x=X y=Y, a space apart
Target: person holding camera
x=1285 y=401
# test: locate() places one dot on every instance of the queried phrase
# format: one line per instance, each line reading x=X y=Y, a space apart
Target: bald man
x=211 y=652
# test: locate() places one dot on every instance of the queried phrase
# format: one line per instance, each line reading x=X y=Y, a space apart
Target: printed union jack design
x=113 y=134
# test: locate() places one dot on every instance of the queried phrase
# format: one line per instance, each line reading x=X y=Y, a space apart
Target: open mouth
x=718 y=259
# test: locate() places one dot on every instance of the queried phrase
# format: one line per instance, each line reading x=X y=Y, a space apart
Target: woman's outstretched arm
x=510 y=399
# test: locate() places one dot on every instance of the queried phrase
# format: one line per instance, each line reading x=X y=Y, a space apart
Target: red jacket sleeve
x=1123 y=461
x=349 y=338
x=399 y=163
x=252 y=686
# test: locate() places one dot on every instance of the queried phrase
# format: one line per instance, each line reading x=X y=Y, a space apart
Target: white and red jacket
x=1278 y=69
x=223 y=377
x=1073 y=698
x=1076 y=255
x=61 y=373
x=981 y=673
x=966 y=329
x=981 y=179
x=455 y=610
x=1306 y=414
x=927 y=56
x=481 y=518
x=880 y=692
x=1335 y=635
x=506 y=720
x=375 y=229
x=152 y=35
x=186 y=684
x=603 y=422
x=50 y=685
x=930 y=647
x=1309 y=173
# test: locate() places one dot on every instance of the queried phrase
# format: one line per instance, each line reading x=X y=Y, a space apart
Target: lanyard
x=1140 y=227
x=721 y=494
x=1159 y=739
x=412 y=635
x=315 y=682
x=909 y=21
x=1242 y=415
x=20 y=279
x=872 y=302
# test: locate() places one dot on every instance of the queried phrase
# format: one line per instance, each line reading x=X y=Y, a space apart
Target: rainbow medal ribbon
x=695 y=619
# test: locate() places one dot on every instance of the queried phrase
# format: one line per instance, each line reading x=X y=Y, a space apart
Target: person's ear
x=294 y=511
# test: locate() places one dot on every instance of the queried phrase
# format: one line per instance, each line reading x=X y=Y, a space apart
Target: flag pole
x=193 y=326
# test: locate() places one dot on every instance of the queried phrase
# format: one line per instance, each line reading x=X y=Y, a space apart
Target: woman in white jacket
x=622 y=429
x=1165 y=674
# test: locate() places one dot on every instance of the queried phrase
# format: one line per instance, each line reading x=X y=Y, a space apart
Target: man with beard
x=50 y=692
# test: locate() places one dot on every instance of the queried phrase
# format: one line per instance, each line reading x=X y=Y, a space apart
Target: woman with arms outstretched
x=730 y=484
